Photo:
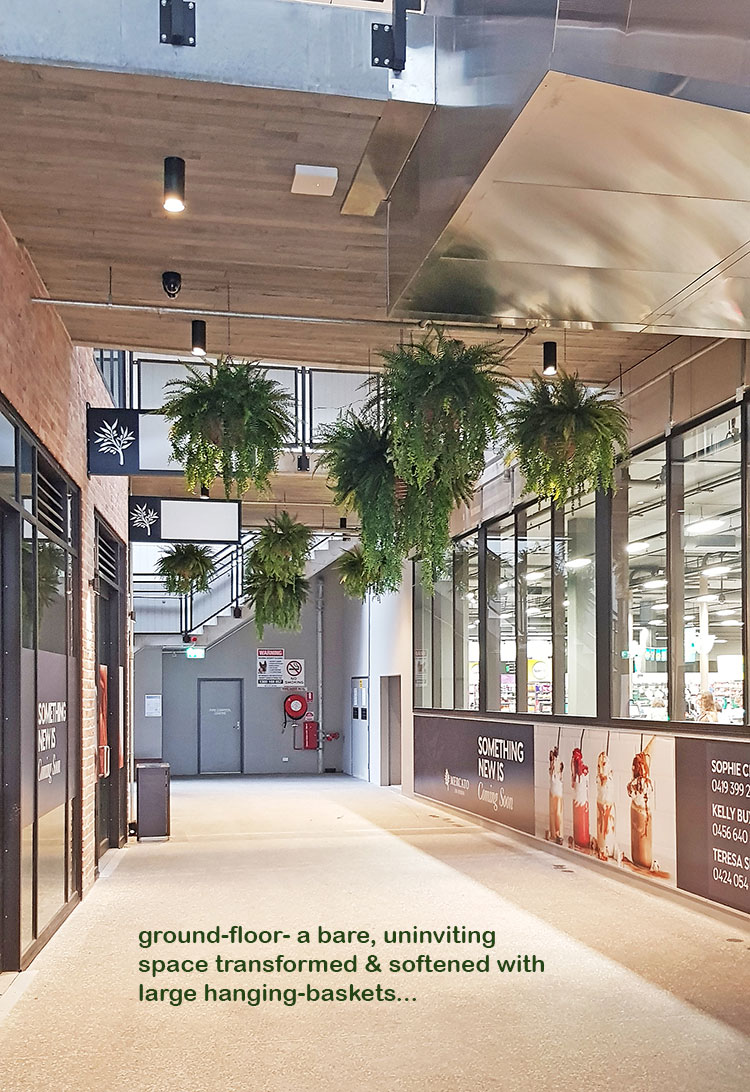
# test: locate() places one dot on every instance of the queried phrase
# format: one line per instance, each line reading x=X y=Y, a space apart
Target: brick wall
x=48 y=381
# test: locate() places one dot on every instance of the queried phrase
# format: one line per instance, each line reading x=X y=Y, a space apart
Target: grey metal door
x=219 y=726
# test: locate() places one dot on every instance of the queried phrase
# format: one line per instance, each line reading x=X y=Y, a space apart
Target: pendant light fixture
x=550 y=358
x=198 y=340
x=174 y=184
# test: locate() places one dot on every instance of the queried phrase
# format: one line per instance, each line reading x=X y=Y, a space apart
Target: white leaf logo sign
x=143 y=516
x=112 y=440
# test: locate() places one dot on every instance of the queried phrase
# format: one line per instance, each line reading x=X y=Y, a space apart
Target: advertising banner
x=483 y=767
x=713 y=820
x=51 y=731
x=609 y=795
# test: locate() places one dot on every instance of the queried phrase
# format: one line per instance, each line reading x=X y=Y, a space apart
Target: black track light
x=198 y=340
x=174 y=184
x=550 y=358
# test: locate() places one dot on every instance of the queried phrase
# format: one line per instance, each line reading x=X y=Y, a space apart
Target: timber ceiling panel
x=80 y=186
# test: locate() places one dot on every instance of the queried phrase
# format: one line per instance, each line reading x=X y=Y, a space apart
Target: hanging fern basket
x=229 y=421
x=565 y=437
x=186 y=568
x=274 y=582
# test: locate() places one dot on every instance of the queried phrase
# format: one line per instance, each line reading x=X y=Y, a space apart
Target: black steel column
x=10 y=627
x=482 y=611
x=745 y=550
x=557 y=613
x=522 y=658
x=604 y=615
x=675 y=578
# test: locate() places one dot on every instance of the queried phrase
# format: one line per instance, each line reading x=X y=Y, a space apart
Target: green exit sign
x=195 y=652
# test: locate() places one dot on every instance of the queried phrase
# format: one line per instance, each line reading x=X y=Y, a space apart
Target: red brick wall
x=48 y=381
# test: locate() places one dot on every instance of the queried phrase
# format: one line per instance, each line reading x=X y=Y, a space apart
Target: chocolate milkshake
x=555 y=796
x=605 y=808
x=641 y=793
x=579 y=778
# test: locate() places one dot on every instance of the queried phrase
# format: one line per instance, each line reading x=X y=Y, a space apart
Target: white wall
x=371 y=639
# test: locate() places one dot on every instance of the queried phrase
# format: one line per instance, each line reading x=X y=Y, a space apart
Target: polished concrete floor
x=638 y=994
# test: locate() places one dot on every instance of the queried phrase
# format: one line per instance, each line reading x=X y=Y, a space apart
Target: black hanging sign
x=144 y=519
x=113 y=441
x=168 y=519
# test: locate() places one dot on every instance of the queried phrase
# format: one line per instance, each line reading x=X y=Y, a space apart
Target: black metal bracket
x=389 y=39
x=177 y=22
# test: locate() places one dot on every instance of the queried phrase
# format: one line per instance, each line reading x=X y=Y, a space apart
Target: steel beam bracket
x=389 y=39
x=177 y=22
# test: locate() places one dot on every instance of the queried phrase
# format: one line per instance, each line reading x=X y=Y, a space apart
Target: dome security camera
x=171 y=282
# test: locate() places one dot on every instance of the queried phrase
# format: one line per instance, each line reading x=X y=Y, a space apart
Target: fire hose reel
x=295 y=706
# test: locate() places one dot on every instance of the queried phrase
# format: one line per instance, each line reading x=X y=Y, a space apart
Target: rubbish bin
x=152 y=783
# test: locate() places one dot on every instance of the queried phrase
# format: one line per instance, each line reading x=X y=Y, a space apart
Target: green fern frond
x=565 y=437
x=186 y=567
x=229 y=421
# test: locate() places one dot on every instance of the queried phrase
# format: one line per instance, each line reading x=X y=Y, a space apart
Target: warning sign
x=275 y=670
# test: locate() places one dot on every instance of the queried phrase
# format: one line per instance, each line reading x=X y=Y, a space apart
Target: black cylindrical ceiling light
x=198 y=341
x=174 y=184
x=550 y=358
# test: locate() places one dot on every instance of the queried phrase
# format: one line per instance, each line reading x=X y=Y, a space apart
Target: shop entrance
x=110 y=754
x=219 y=726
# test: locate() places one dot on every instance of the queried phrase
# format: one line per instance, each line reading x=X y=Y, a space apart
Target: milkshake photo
x=579 y=779
x=555 y=832
x=605 y=807
x=641 y=793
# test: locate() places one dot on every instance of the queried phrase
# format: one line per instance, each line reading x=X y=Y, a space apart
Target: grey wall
x=266 y=743
x=147 y=679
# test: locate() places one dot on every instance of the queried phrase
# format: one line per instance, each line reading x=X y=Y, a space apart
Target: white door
x=360 y=729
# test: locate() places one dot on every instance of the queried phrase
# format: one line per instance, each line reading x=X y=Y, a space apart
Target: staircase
x=213 y=615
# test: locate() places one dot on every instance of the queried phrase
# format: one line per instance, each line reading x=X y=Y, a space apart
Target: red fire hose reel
x=295 y=706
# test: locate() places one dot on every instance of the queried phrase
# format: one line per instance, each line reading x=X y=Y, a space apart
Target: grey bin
x=152 y=782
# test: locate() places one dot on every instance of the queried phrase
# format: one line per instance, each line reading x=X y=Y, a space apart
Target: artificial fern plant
x=230 y=421
x=274 y=579
x=358 y=577
x=565 y=437
x=185 y=568
x=356 y=454
x=442 y=399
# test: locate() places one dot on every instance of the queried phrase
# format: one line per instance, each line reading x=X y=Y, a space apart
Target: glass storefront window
x=422 y=647
x=677 y=560
x=578 y=569
x=442 y=644
x=707 y=564
x=466 y=634
x=501 y=616
x=7 y=458
x=534 y=576
x=640 y=645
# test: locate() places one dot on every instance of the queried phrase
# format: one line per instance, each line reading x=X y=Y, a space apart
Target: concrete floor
x=638 y=994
